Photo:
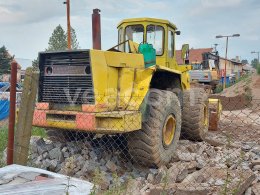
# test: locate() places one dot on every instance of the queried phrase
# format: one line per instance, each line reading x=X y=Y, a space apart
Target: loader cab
x=159 y=33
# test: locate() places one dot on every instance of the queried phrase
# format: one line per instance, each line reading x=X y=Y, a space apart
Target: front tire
x=155 y=143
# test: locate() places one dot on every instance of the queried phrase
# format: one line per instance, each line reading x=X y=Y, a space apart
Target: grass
x=36 y=131
x=245 y=77
x=258 y=69
x=3 y=143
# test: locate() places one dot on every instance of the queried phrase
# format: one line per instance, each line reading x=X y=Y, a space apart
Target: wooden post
x=25 y=117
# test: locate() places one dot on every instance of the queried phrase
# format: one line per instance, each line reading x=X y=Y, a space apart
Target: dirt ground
x=241 y=110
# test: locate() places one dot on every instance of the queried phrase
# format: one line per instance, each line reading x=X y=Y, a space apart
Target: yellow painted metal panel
x=120 y=59
x=141 y=87
x=112 y=89
x=61 y=124
x=118 y=123
x=146 y=20
x=168 y=69
x=99 y=74
x=125 y=86
x=214 y=75
x=185 y=80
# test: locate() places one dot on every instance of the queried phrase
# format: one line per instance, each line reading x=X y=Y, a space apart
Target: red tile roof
x=195 y=55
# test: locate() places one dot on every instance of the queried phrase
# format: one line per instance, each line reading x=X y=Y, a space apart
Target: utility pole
x=215 y=47
x=257 y=52
x=225 y=71
x=67 y=2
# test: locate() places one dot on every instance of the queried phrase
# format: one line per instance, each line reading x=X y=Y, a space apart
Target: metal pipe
x=10 y=144
x=68 y=24
x=225 y=73
x=96 y=29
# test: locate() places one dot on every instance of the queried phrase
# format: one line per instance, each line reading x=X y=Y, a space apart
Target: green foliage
x=3 y=143
x=258 y=69
x=58 y=40
x=5 y=60
x=254 y=63
x=245 y=61
x=36 y=131
x=74 y=41
x=35 y=63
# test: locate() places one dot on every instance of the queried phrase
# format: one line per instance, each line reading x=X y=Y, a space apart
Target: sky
x=26 y=25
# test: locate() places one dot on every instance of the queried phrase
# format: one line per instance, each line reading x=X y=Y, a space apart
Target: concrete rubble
x=212 y=167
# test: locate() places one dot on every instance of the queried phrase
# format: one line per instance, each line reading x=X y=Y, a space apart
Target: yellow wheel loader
x=135 y=88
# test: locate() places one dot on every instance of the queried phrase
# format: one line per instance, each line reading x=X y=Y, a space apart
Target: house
x=7 y=77
x=247 y=68
x=233 y=67
x=21 y=63
x=195 y=55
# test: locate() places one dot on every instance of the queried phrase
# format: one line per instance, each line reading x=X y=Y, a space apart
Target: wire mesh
x=137 y=145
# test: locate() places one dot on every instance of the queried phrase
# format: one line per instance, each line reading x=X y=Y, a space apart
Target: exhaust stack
x=96 y=29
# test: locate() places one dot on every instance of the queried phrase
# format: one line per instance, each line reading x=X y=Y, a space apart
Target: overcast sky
x=26 y=25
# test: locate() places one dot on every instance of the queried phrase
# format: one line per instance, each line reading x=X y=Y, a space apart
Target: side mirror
x=177 y=32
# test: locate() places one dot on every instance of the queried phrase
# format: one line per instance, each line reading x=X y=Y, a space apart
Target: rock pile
x=197 y=167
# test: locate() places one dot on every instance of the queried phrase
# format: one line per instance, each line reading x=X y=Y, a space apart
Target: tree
x=35 y=63
x=5 y=60
x=58 y=40
x=254 y=63
x=74 y=41
x=245 y=61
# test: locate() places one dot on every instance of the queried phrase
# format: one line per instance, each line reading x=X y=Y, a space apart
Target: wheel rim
x=205 y=112
x=169 y=130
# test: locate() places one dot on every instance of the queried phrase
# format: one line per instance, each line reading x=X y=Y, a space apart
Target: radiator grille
x=66 y=78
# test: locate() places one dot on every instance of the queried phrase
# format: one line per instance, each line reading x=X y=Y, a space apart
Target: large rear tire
x=195 y=115
x=155 y=143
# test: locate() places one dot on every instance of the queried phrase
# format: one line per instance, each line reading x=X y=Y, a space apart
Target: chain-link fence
x=147 y=145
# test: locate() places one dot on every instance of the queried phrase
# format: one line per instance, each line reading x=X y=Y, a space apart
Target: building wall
x=7 y=77
x=231 y=68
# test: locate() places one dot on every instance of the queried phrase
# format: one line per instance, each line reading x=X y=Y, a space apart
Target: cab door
x=171 y=58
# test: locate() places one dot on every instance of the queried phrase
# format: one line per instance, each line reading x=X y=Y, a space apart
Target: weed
x=68 y=186
x=165 y=181
x=4 y=138
x=117 y=188
x=96 y=181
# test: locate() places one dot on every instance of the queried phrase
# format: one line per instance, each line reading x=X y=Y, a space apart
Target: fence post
x=25 y=117
x=10 y=144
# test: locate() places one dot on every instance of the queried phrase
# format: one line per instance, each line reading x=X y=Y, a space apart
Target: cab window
x=170 y=44
x=155 y=37
x=134 y=33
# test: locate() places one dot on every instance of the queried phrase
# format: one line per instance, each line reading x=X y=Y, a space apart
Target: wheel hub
x=169 y=130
